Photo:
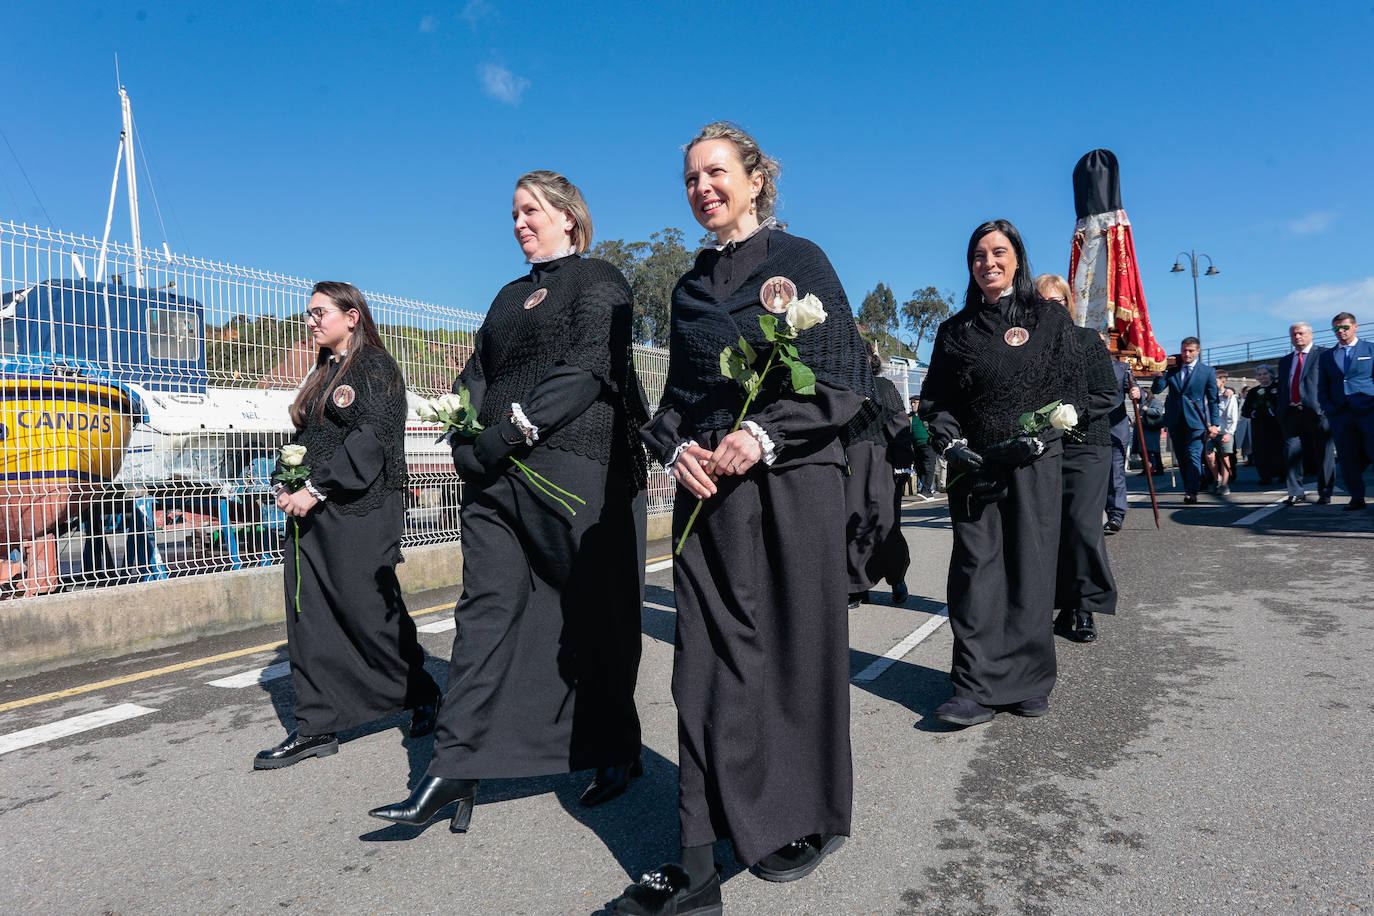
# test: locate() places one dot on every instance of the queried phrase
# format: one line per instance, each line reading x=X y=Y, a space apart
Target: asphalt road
x=1212 y=752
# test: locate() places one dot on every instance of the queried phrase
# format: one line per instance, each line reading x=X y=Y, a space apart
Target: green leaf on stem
x=750 y=356
x=769 y=323
x=803 y=379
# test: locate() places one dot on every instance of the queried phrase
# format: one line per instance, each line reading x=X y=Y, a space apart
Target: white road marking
x=73 y=726
x=254 y=677
x=1259 y=514
x=661 y=564
x=439 y=626
x=899 y=651
x=660 y=607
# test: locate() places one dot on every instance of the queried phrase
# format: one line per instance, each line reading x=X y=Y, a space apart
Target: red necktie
x=1297 y=377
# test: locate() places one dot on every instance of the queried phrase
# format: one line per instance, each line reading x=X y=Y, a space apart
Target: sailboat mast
x=126 y=137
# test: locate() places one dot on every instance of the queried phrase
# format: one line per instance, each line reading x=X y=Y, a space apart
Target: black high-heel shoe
x=432 y=795
x=609 y=783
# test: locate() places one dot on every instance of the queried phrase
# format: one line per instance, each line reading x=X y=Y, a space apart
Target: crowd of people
x=775 y=424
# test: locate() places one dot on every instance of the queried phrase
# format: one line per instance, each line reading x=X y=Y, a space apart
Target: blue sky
x=379 y=143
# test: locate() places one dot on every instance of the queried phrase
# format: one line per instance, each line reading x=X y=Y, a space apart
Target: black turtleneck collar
x=541 y=272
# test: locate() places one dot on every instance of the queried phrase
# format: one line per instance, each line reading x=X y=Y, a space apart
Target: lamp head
x=1211 y=271
x=1176 y=269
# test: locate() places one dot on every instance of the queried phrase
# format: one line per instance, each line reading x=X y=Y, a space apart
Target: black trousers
x=1001 y=586
x=1085 y=580
x=1306 y=430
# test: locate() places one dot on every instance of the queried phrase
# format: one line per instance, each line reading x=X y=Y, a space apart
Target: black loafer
x=798 y=858
x=1035 y=706
x=609 y=783
x=1323 y=500
x=423 y=719
x=295 y=749
x=963 y=711
x=1189 y=500
x=1083 y=629
x=666 y=890
x=1113 y=526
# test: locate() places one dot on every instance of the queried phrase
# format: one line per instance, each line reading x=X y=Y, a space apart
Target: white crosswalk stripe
x=73 y=726
x=256 y=676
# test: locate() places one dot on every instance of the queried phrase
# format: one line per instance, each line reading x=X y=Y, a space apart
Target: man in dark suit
x=1121 y=444
x=1190 y=414
x=1346 y=394
x=1304 y=425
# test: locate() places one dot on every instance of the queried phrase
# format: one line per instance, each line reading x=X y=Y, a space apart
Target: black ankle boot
x=609 y=783
x=1083 y=630
x=432 y=795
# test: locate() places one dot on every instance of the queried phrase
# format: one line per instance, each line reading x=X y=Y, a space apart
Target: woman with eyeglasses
x=547 y=648
x=353 y=647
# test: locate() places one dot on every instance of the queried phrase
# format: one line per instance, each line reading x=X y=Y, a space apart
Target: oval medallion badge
x=1016 y=336
x=535 y=298
x=776 y=293
x=344 y=395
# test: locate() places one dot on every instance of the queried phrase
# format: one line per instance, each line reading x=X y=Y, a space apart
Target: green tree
x=652 y=269
x=879 y=310
x=923 y=312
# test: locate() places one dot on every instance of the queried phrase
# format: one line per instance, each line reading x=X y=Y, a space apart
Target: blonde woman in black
x=353 y=647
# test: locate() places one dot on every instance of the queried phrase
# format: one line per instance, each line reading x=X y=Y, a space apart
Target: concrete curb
x=53 y=631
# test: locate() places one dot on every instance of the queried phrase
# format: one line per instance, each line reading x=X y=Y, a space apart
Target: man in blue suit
x=1346 y=393
x=1121 y=444
x=1190 y=414
x=1305 y=427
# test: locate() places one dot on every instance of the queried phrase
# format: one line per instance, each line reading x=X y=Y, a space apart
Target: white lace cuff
x=764 y=442
x=677 y=453
x=522 y=423
x=310 y=487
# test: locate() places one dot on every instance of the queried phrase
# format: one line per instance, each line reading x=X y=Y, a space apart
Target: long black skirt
x=353 y=648
x=761 y=662
x=1085 y=580
x=1001 y=586
x=875 y=548
x=547 y=647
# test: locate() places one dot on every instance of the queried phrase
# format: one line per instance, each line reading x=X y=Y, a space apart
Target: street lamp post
x=1212 y=271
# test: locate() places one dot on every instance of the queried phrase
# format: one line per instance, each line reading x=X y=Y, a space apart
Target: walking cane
x=1145 y=457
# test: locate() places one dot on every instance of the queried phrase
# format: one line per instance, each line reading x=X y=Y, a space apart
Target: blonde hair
x=1046 y=283
x=754 y=160
x=562 y=194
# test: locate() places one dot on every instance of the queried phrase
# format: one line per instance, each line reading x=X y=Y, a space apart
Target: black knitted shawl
x=703 y=326
x=1095 y=425
x=379 y=403
x=584 y=321
x=890 y=404
x=978 y=385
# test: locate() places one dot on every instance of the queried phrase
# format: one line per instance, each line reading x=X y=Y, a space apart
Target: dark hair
x=318 y=386
x=1222 y=373
x=1344 y=316
x=1190 y=340
x=1025 y=300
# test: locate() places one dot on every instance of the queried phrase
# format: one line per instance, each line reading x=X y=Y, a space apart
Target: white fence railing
x=139 y=420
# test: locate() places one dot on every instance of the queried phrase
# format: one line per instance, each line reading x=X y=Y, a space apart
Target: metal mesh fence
x=144 y=397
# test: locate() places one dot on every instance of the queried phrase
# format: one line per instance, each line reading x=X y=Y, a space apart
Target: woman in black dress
x=353 y=648
x=1005 y=353
x=547 y=646
x=1085 y=582
x=761 y=655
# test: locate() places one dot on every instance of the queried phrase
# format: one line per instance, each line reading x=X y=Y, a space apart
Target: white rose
x=426 y=411
x=805 y=312
x=1064 y=417
x=450 y=403
x=292 y=455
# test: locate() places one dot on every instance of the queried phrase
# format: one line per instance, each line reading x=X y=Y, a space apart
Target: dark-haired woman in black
x=1007 y=352
x=547 y=647
x=353 y=647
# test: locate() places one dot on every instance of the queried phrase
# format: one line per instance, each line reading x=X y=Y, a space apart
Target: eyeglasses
x=1340 y=327
x=317 y=314
x=1060 y=299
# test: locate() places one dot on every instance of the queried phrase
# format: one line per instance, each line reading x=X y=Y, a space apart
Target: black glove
x=1013 y=452
x=987 y=490
x=465 y=463
x=495 y=443
x=962 y=460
